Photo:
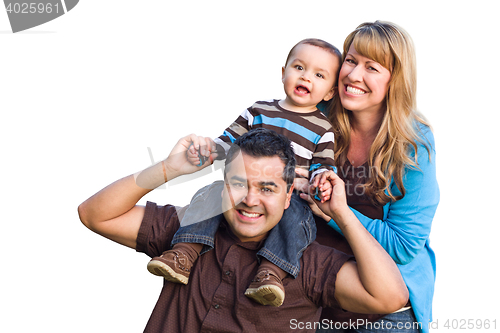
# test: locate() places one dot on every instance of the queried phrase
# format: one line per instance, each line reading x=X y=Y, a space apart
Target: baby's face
x=309 y=77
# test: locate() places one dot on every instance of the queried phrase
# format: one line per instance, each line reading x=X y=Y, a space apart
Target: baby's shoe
x=266 y=288
x=173 y=265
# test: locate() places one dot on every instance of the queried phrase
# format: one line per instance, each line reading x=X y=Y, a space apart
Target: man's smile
x=248 y=214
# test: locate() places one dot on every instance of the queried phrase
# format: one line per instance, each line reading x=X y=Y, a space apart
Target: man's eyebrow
x=238 y=178
x=261 y=183
x=270 y=183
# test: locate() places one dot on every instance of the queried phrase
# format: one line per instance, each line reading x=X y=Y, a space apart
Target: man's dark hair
x=262 y=142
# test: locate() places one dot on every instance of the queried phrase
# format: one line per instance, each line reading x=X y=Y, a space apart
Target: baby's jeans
x=284 y=245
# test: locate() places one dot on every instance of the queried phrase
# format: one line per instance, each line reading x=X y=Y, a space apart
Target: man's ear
x=330 y=94
x=289 y=197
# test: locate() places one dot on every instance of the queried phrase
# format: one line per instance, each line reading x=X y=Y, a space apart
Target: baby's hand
x=192 y=156
x=323 y=188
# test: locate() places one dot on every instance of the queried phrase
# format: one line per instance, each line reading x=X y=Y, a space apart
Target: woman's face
x=363 y=83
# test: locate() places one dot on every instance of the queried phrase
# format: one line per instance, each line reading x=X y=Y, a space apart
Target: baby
x=309 y=77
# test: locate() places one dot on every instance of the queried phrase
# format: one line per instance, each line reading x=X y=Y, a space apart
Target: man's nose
x=252 y=198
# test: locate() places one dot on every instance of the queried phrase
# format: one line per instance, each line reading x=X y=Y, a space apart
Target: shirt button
x=228 y=272
x=216 y=306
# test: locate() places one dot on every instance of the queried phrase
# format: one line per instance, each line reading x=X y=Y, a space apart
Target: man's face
x=254 y=195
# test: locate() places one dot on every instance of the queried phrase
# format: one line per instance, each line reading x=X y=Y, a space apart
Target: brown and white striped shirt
x=311 y=133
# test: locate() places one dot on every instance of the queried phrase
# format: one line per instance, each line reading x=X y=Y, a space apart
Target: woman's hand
x=315 y=209
x=336 y=207
x=302 y=185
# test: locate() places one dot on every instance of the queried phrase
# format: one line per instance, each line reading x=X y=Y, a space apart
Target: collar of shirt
x=224 y=226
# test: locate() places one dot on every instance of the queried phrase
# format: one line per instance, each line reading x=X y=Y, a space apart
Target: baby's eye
x=321 y=76
x=299 y=67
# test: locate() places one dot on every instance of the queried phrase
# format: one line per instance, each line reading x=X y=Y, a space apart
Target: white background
x=84 y=96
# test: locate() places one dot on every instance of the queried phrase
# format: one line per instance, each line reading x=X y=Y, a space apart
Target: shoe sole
x=266 y=295
x=161 y=269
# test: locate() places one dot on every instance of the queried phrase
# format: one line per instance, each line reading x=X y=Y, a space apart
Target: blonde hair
x=392 y=47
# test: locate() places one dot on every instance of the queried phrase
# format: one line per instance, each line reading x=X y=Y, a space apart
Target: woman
x=384 y=151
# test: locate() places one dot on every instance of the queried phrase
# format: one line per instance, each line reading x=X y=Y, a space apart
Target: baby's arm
x=322 y=161
x=197 y=155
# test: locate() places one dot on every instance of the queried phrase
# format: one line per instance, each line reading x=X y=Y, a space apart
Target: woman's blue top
x=404 y=230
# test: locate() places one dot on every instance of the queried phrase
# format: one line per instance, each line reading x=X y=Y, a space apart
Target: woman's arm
x=406 y=228
x=372 y=284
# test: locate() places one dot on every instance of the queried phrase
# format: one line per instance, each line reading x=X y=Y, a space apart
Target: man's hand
x=177 y=162
x=113 y=211
x=199 y=155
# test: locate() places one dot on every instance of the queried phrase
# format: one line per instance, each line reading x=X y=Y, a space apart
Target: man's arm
x=372 y=284
x=113 y=211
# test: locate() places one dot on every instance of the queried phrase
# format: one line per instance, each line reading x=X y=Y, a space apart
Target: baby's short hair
x=319 y=43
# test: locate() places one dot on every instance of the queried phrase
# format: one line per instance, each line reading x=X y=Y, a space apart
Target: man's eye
x=267 y=190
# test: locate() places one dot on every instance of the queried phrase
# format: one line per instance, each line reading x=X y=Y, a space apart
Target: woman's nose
x=356 y=75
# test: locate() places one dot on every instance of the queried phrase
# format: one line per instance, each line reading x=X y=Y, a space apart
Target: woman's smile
x=355 y=91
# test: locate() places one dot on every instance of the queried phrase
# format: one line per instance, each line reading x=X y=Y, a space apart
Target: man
x=257 y=190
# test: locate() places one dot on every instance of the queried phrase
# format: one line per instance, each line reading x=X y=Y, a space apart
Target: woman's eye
x=372 y=69
x=349 y=61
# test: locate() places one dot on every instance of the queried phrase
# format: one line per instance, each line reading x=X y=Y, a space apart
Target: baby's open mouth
x=302 y=90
